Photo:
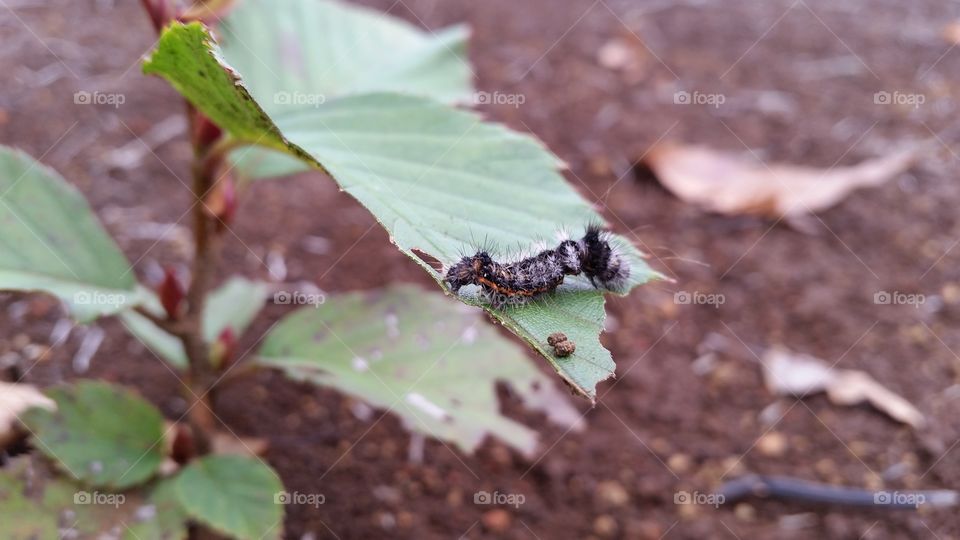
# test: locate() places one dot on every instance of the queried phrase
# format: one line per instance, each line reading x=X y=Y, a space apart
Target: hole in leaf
x=429 y=259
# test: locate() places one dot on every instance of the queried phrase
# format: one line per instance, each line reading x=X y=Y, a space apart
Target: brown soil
x=799 y=86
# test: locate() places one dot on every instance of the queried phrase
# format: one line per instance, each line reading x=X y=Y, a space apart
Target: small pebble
x=605 y=526
x=497 y=520
x=679 y=463
x=405 y=520
x=613 y=493
x=772 y=444
x=745 y=512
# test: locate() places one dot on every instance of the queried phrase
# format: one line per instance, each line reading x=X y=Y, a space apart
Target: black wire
x=786 y=488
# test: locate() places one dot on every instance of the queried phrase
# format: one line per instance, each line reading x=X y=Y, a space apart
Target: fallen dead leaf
x=724 y=183
x=227 y=443
x=789 y=373
x=16 y=398
x=222 y=442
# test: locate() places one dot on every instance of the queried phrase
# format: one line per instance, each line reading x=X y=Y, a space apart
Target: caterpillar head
x=602 y=262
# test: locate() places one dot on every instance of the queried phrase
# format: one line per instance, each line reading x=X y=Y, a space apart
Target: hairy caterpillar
x=520 y=281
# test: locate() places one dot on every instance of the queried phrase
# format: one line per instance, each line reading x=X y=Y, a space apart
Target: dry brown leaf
x=221 y=442
x=789 y=373
x=725 y=183
x=228 y=443
x=14 y=399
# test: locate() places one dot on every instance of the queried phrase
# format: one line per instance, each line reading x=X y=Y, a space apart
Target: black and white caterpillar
x=520 y=281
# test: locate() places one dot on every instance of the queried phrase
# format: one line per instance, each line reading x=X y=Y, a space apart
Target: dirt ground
x=798 y=79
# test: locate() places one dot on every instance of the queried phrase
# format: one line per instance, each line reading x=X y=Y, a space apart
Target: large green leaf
x=51 y=241
x=102 y=435
x=36 y=503
x=238 y=496
x=298 y=54
x=331 y=49
x=441 y=181
x=430 y=361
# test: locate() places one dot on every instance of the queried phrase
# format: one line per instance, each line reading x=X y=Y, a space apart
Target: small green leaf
x=158 y=340
x=233 y=305
x=21 y=517
x=51 y=241
x=233 y=495
x=100 y=434
x=207 y=81
x=36 y=503
x=432 y=362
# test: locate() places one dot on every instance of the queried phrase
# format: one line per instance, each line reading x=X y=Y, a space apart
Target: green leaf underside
x=442 y=181
x=51 y=241
x=165 y=345
x=432 y=362
x=234 y=305
x=313 y=51
x=36 y=503
x=100 y=434
x=233 y=495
